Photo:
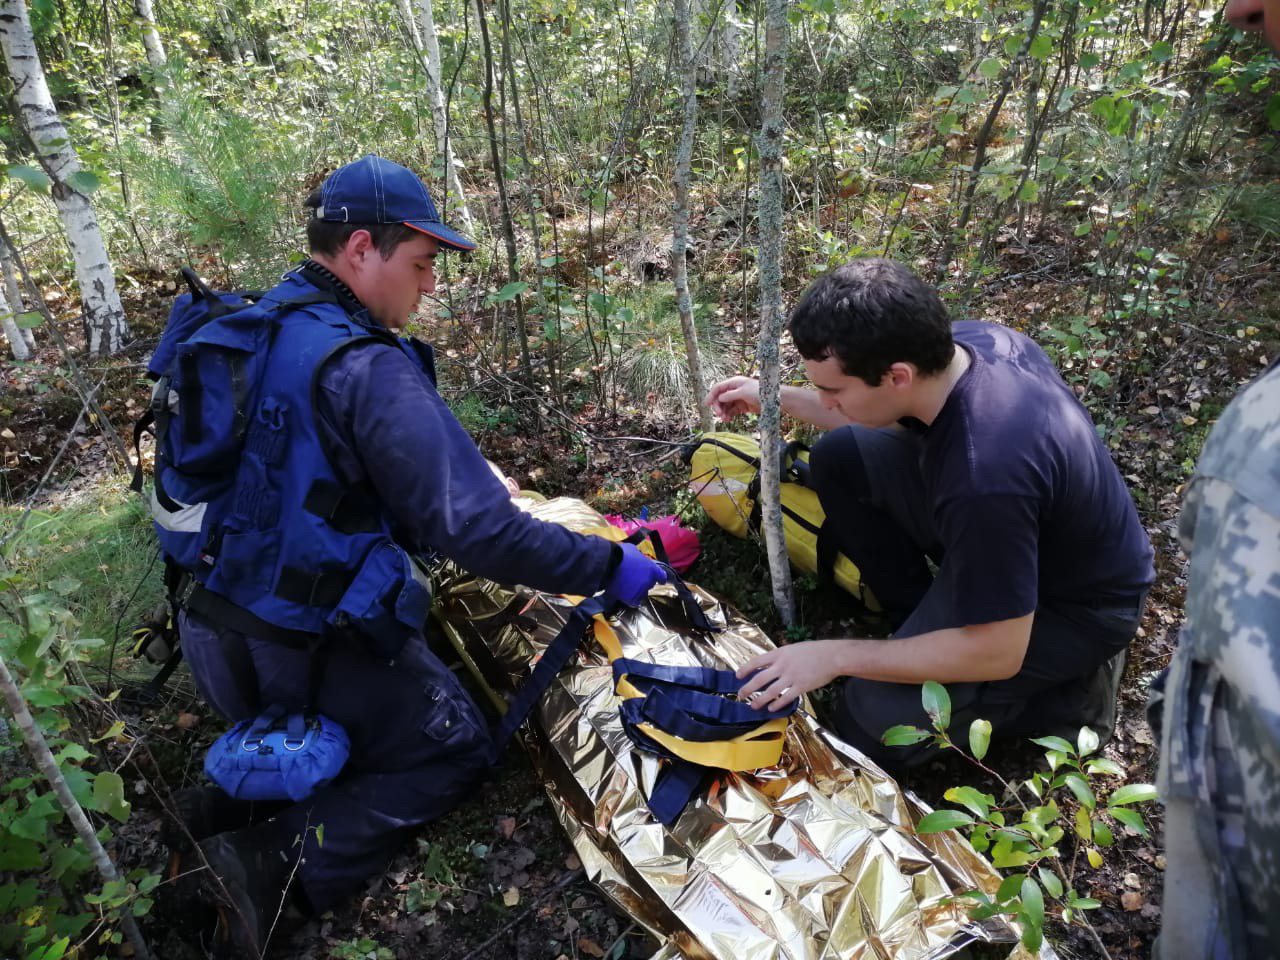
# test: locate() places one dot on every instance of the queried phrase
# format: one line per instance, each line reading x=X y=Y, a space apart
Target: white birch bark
x=770 y=150
x=12 y=333
x=680 y=211
x=151 y=35
x=422 y=32
x=13 y=294
x=105 y=325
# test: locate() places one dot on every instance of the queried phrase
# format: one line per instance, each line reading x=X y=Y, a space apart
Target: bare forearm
x=947 y=656
x=807 y=406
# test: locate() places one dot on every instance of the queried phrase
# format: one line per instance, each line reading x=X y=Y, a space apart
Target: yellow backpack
x=725 y=476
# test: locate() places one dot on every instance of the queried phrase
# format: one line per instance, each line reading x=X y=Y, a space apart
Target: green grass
x=103 y=542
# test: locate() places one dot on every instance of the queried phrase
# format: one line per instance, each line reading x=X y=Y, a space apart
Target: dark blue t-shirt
x=1028 y=505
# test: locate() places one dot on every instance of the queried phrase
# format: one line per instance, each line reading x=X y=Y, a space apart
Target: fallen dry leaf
x=589 y=946
x=511 y=896
x=1131 y=900
x=571 y=862
x=506 y=827
x=186 y=721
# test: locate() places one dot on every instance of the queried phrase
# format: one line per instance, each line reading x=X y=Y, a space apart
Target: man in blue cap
x=369 y=450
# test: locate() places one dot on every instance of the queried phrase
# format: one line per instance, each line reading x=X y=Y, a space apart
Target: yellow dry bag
x=725 y=476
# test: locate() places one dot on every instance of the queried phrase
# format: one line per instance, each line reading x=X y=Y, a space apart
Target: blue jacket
x=352 y=462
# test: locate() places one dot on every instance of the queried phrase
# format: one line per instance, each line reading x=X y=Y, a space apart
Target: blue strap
x=558 y=653
x=697 y=678
x=674 y=788
x=264 y=721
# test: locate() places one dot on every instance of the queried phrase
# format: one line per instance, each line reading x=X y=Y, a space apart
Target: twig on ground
x=567 y=880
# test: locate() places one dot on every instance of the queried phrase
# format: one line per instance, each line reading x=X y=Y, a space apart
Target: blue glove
x=635 y=576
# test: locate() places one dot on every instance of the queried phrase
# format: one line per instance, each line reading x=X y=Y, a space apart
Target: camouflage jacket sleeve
x=1220 y=745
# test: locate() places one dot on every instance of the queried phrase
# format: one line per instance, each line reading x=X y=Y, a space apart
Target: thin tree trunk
x=150 y=35
x=44 y=760
x=422 y=33
x=105 y=325
x=771 y=133
x=680 y=212
x=508 y=229
x=13 y=294
x=12 y=332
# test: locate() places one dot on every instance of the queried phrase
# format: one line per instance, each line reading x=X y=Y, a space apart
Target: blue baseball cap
x=373 y=190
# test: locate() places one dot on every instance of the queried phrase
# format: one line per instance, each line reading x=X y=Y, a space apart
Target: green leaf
x=320 y=835
x=1049 y=880
x=1089 y=60
x=1161 y=51
x=1131 y=819
x=1041 y=47
x=1084 y=903
x=1032 y=903
x=1082 y=228
x=28 y=321
x=1010 y=887
x=1054 y=743
x=31 y=176
x=979 y=738
x=510 y=291
x=972 y=799
x=1132 y=793
x=1006 y=855
x=941 y=820
x=1084 y=825
x=937 y=704
x=1079 y=786
x=1087 y=740
x=903 y=735
x=84 y=181
x=1029 y=192
x=1102 y=835
x=990 y=68
x=108 y=791
x=1104 y=766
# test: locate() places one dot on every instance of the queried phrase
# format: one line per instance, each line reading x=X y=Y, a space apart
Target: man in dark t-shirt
x=956 y=447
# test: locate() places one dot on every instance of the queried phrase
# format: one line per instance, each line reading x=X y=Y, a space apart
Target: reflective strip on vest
x=187 y=520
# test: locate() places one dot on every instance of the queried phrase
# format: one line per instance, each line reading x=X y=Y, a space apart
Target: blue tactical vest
x=288 y=548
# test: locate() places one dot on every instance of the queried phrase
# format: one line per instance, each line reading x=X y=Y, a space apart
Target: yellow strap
x=759 y=747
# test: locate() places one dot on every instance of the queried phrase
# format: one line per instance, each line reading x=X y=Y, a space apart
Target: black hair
x=328 y=237
x=871 y=314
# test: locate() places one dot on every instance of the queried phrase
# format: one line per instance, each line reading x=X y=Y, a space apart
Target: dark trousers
x=872 y=490
x=419 y=745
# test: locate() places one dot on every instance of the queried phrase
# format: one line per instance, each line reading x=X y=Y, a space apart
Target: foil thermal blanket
x=813 y=859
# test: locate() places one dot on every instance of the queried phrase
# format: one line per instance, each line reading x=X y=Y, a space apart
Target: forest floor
x=498 y=878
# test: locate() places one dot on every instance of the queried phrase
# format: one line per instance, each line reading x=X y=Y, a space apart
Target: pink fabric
x=682 y=545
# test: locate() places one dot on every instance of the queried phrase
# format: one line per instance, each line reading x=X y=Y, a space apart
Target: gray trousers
x=872 y=490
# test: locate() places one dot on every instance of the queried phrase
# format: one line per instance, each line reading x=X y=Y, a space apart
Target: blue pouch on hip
x=278 y=756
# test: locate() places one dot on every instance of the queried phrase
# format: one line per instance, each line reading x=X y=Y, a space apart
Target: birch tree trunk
x=105 y=325
x=680 y=212
x=422 y=32
x=45 y=762
x=150 y=35
x=770 y=150
x=13 y=294
x=12 y=332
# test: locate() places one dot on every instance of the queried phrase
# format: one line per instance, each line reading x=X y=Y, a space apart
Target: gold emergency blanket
x=811 y=860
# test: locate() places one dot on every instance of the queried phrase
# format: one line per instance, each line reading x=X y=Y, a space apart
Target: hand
x=635 y=576
x=782 y=675
x=734 y=397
